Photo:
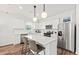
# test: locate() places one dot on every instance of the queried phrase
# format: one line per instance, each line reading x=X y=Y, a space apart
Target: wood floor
x=11 y=50
x=19 y=50
x=61 y=51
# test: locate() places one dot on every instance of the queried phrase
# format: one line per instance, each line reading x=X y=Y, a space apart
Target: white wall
x=8 y=27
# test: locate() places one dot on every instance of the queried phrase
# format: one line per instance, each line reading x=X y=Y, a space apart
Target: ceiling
x=26 y=13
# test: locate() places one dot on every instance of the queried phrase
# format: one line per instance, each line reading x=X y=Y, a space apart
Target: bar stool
x=35 y=49
x=24 y=45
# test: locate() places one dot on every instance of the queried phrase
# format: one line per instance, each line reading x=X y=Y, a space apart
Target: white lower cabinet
x=53 y=48
x=50 y=48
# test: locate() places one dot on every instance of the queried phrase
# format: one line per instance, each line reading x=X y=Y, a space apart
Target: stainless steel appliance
x=65 y=40
x=64 y=36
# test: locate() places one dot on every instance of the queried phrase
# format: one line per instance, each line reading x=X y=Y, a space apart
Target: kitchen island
x=50 y=43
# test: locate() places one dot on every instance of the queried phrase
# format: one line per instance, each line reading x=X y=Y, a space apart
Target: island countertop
x=41 y=38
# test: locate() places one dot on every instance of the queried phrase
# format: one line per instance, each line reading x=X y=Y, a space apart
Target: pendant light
x=34 y=18
x=20 y=7
x=44 y=14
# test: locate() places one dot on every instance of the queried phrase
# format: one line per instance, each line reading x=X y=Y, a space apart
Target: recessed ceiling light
x=20 y=7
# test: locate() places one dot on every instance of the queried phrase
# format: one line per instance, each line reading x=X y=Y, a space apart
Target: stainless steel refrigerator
x=65 y=40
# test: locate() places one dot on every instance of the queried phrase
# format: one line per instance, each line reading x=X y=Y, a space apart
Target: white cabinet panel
x=51 y=48
x=47 y=49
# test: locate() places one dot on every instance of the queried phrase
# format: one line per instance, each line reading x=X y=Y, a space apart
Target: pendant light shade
x=44 y=14
x=34 y=18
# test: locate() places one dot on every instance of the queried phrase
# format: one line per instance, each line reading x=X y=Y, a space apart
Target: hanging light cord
x=44 y=7
x=34 y=11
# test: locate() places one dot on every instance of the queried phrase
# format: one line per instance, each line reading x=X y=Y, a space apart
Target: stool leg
x=44 y=52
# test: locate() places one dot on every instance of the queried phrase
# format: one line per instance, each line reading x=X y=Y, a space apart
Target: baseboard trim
x=6 y=45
